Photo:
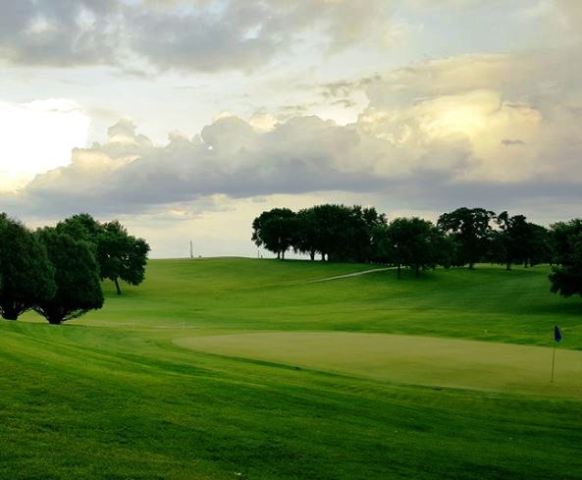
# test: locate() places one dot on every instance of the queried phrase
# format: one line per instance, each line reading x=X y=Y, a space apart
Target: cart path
x=350 y=275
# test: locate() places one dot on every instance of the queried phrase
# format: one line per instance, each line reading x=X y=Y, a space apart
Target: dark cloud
x=510 y=142
x=209 y=35
x=59 y=32
x=129 y=174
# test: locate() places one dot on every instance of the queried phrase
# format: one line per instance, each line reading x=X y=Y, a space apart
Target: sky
x=185 y=119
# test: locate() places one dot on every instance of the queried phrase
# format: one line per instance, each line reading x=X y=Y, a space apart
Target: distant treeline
x=463 y=237
x=57 y=271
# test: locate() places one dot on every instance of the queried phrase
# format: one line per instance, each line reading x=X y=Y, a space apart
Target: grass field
x=234 y=368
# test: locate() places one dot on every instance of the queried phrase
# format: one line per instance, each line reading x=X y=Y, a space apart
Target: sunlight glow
x=37 y=137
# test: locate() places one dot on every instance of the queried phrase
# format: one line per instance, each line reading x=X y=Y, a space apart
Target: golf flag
x=557 y=334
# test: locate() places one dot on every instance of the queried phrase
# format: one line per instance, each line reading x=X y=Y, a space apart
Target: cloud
x=129 y=173
x=443 y=130
x=200 y=35
x=59 y=32
x=216 y=35
x=510 y=142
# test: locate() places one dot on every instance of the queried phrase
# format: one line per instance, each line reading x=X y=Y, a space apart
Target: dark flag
x=557 y=334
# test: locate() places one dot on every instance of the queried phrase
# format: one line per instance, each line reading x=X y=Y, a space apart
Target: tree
x=341 y=232
x=306 y=237
x=514 y=238
x=78 y=287
x=26 y=275
x=119 y=255
x=275 y=230
x=363 y=225
x=539 y=245
x=331 y=233
x=81 y=227
x=415 y=243
x=337 y=232
x=566 y=277
x=470 y=228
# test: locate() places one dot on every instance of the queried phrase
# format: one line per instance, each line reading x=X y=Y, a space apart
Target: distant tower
x=191 y=250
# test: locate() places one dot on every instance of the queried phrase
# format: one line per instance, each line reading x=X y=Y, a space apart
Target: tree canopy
x=26 y=274
x=566 y=278
x=335 y=232
x=415 y=243
x=471 y=229
x=520 y=241
x=275 y=230
x=78 y=287
x=120 y=256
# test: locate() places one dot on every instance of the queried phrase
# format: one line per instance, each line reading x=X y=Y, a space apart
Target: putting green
x=408 y=359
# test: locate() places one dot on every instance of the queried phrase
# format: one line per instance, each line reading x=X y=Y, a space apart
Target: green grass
x=234 y=368
x=408 y=359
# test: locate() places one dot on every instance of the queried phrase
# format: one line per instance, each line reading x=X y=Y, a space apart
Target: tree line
x=463 y=237
x=57 y=271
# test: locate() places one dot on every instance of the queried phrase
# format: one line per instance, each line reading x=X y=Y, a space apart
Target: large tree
x=471 y=229
x=26 y=275
x=332 y=230
x=81 y=227
x=519 y=242
x=415 y=243
x=566 y=278
x=78 y=287
x=514 y=239
x=120 y=256
x=307 y=233
x=539 y=245
x=275 y=230
x=364 y=223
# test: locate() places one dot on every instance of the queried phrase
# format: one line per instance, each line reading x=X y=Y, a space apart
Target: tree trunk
x=471 y=266
x=55 y=320
x=282 y=254
x=312 y=255
x=322 y=257
x=116 y=280
x=278 y=255
x=508 y=266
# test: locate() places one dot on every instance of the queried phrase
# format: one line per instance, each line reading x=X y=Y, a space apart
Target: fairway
x=408 y=359
x=235 y=368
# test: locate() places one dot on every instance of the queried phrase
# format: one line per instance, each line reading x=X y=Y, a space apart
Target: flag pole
x=557 y=339
x=553 y=363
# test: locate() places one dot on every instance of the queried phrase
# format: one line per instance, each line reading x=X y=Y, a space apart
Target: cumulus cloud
x=129 y=173
x=466 y=127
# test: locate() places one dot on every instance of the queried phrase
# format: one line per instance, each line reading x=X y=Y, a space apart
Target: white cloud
x=459 y=130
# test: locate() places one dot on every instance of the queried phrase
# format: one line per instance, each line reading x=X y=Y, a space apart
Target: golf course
x=233 y=368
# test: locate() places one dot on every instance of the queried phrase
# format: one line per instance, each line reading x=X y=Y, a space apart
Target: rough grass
x=112 y=396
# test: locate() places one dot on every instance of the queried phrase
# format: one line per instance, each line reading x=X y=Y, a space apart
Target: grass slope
x=112 y=395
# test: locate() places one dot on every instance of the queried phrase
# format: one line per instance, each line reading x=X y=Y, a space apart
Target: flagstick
x=553 y=363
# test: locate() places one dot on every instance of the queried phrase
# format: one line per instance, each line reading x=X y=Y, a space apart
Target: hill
x=238 y=368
